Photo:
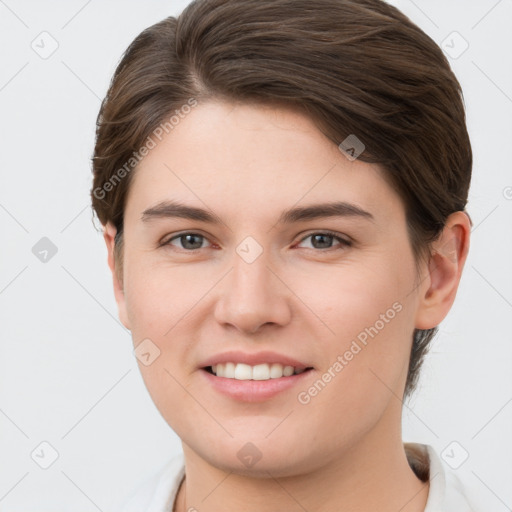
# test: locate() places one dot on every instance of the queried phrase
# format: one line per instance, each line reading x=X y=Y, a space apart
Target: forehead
x=236 y=158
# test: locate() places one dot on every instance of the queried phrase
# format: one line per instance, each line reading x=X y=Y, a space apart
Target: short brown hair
x=353 y=66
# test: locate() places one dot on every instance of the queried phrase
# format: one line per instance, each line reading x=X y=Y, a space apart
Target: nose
x=252 y=296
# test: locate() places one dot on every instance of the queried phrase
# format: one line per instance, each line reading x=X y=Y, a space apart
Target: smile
x=254 y=377
x=264 y=371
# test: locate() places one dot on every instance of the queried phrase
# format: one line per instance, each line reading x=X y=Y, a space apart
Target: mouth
x=258 y=372
x=254 y=378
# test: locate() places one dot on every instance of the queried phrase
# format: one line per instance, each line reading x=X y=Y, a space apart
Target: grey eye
x=189 y=241
x=325 y=240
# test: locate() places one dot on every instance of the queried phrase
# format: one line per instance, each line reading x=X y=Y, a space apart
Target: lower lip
x=253 y=390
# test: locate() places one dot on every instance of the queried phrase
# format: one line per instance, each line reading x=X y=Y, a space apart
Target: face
x=267 y=277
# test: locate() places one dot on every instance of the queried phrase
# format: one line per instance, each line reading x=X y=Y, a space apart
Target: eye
x=324 y=239
x=320 y=240
x=188 y=241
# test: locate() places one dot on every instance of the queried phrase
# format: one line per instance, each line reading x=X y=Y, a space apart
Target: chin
x=259 y=459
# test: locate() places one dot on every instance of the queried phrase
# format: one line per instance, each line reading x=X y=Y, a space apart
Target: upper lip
x=235 y=356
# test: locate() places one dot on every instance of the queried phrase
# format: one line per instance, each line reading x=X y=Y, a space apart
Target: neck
x=373 y=474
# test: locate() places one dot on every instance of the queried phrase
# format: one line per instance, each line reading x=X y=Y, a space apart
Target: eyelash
x=343 y=242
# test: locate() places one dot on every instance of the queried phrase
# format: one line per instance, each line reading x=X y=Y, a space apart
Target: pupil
x=197 y=245
x=321 y=236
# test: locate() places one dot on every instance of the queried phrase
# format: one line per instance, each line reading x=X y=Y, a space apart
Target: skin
x=343 y=450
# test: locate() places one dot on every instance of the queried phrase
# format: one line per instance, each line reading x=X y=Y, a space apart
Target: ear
x=109 y=233
x=439 y=287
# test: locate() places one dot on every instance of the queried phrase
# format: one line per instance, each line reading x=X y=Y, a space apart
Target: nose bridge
x=252 y=295
x=251 y=277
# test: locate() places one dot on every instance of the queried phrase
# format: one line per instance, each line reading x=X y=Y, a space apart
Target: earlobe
x=449 y=253
x=109 y=233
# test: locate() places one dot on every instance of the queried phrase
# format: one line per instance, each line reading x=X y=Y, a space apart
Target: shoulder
x=157 y=492
x=447 y=492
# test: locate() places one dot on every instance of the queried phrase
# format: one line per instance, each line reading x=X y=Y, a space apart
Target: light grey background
x=67 y=373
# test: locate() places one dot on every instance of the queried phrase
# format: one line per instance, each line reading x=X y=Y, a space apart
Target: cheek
x=163 y=304
x=351 y=298
x=158 y=295
x=365 y=368
x=370 y=320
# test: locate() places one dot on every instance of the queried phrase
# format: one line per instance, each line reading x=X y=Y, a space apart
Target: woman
x=282 y=186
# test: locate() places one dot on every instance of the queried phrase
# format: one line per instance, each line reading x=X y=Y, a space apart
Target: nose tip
x=252 y=297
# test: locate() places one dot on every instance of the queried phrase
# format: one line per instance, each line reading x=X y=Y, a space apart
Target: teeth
x=229 y=370
x=276 y=371
x=263 y=371
x=242 y=371
x=287 y=371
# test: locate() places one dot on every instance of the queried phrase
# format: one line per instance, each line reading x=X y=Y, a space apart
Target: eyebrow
x=169 y=209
